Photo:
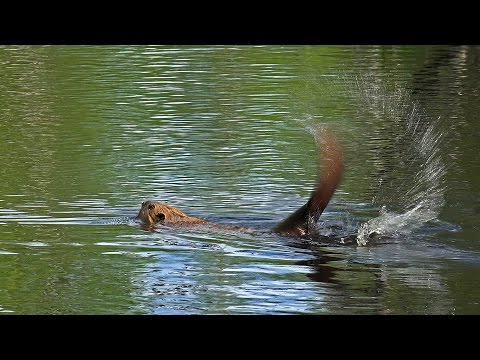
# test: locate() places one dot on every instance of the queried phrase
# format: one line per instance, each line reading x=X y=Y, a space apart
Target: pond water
x=225 y=132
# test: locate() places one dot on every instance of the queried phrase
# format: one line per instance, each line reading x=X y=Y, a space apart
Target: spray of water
x=419 y=188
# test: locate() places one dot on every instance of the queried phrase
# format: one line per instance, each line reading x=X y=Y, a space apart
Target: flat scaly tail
x=302 y=221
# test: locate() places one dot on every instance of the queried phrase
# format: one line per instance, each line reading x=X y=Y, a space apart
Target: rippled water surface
x=225 y=133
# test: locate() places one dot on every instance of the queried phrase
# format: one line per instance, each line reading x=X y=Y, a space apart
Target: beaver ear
x=160 y=217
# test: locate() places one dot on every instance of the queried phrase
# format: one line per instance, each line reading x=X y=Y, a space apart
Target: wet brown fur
x=153 y=212
x=300 y=223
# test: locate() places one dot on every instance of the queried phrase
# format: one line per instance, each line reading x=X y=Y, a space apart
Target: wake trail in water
x=411 y=192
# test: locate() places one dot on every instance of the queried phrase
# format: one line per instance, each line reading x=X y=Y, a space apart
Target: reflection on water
x=88 y=133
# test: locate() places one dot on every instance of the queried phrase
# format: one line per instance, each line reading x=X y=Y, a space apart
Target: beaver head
x=153 y=212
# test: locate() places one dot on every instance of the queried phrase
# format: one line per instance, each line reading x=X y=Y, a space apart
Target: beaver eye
x=151 y=206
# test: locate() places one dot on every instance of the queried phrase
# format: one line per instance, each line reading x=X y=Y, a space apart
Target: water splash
x=414 y=155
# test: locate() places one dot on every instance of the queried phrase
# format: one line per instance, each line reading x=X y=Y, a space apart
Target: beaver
x=153 y=212
x=300 y=223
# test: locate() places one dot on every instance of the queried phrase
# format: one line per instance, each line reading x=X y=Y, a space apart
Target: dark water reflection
x=88 y=133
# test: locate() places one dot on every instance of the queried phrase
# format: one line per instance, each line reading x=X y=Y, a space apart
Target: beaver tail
x=302 y=221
